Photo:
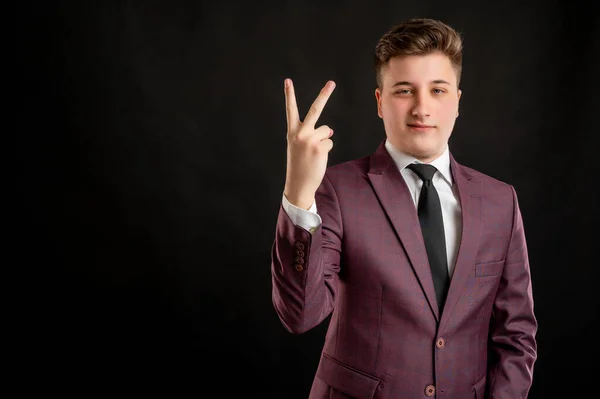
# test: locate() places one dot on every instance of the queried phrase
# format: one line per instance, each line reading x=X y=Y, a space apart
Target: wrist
x=302 y=201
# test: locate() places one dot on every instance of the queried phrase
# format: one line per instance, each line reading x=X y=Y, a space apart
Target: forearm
x=305 y=262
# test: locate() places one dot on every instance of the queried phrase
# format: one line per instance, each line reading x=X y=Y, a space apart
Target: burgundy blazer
x=368 y=265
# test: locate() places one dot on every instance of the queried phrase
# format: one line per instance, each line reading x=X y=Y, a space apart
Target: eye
x=438 y=91
x=403 y=91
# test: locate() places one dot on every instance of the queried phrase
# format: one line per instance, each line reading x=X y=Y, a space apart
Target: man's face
x=418 y=103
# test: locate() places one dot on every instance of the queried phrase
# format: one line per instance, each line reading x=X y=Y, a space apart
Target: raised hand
x=308 y=147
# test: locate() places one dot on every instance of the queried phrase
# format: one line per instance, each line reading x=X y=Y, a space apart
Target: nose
x=421 y=106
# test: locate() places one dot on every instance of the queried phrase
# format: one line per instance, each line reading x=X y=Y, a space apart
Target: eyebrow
x=407 y=83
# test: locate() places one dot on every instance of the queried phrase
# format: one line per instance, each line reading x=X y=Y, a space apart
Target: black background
x=151 y=162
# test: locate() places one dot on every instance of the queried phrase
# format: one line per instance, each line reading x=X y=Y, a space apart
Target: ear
x=458 y=102
x=378 y=98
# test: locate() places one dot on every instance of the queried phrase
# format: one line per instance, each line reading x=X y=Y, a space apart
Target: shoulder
x=485 y=179
x=348 y=170
x=493 y=190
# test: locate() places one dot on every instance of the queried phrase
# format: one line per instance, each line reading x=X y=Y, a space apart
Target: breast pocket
x=487 y=277
x=489 y=269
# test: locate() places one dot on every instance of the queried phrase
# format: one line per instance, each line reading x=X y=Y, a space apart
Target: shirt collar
x=402 y=160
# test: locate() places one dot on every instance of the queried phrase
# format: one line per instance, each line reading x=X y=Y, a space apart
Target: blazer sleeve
x=305 y=266
x=512 y=346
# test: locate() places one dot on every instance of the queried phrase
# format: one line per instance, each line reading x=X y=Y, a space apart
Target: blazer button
x=440 y=343
x=299 y=252
x=429 y=390
x=299 y=260
x=299 y=267
x=299 y=245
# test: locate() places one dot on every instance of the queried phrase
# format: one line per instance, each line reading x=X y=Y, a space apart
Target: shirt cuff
x=307 y=219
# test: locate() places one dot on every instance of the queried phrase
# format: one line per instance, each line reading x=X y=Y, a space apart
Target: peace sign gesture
x=308 y=147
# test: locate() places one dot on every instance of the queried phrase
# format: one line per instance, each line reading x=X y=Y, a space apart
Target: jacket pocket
x=489 y=268
x=480 y=388
x=346 y=379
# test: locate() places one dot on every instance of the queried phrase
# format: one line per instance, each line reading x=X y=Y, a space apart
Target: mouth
x=419 y=126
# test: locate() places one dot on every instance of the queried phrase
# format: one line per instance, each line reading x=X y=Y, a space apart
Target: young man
x=423 y=261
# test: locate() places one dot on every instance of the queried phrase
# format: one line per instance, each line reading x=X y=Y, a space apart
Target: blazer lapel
x=469 y=191
x=393 y=193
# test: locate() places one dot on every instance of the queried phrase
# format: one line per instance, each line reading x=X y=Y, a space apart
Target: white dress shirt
x=442 y=181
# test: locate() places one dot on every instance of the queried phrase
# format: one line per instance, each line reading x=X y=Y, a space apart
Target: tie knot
x=423 y=170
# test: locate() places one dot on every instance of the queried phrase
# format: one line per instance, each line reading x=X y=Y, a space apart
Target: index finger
x=317 y=106
x=291 y=107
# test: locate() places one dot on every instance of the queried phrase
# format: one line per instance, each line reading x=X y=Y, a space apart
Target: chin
x=419 y=147
x=425 y=152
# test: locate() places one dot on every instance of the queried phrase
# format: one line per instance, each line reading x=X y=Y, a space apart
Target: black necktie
x=432 y=227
